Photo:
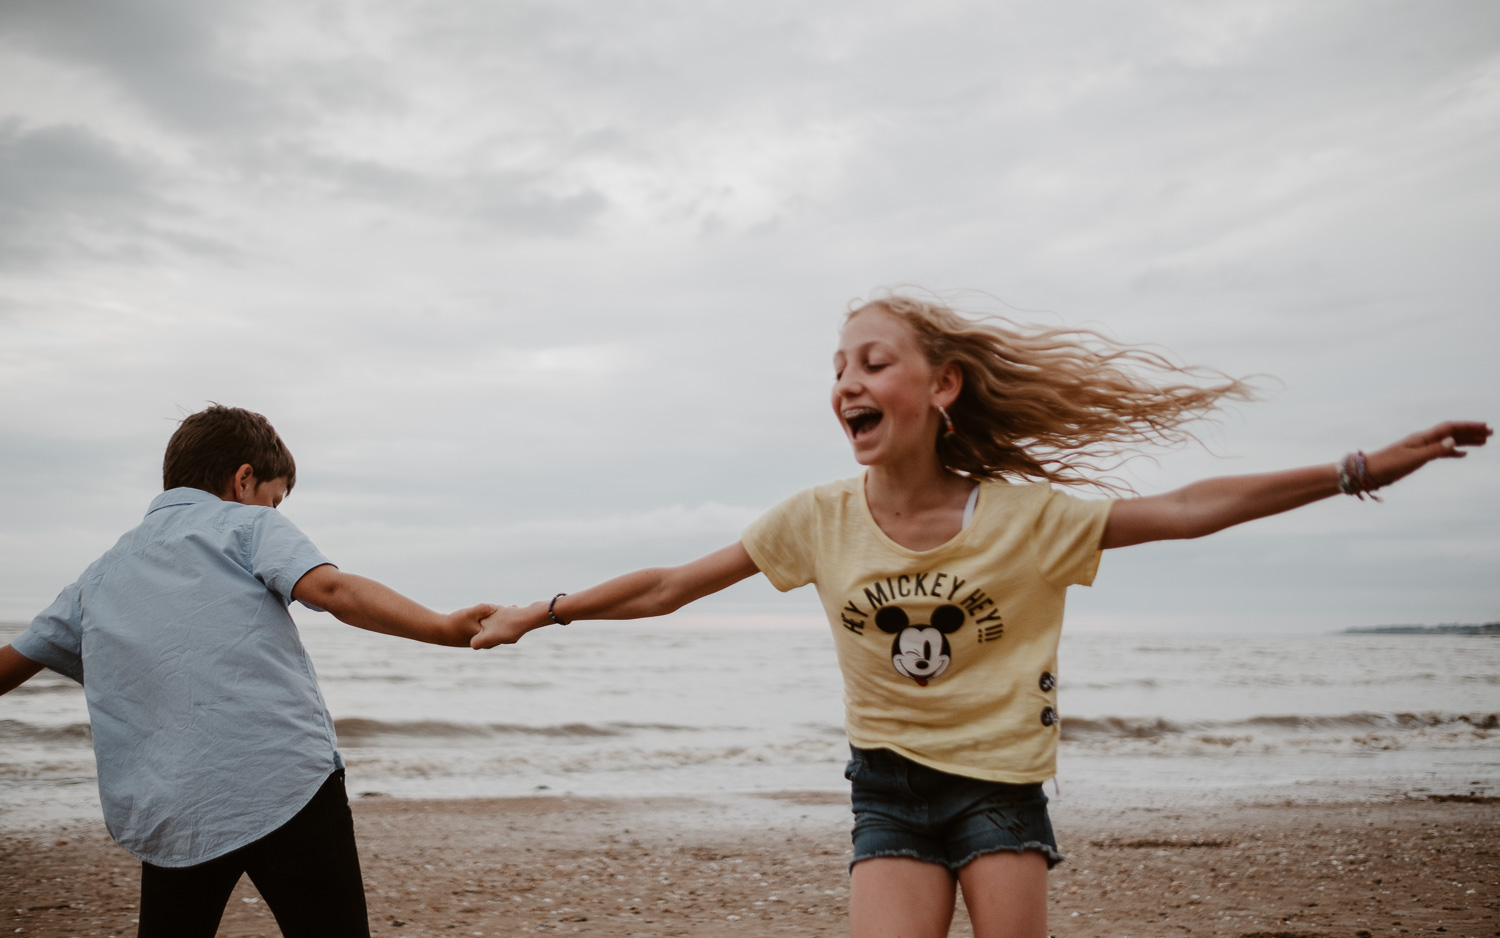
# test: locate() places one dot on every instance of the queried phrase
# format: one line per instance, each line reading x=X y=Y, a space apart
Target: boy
x=216 y=753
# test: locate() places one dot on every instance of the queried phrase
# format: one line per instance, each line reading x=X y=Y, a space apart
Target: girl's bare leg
x=897 y=897
x=1006 y=894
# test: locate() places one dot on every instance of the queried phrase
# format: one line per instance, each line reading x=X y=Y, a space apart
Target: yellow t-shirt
x=949 y=655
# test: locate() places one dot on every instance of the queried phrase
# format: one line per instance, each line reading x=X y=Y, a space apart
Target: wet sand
x=748 y=865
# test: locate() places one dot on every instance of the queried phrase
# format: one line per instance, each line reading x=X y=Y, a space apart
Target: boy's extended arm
x=1215 y=504
x=638 y=595
x=367 y=604
x=15 y=669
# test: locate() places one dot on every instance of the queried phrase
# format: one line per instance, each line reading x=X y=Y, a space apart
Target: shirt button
x=1049 y=716
x=1047 y=682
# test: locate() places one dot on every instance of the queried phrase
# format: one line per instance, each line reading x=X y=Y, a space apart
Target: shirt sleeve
x=1067 y=536
x=280 y=553
x=55 y=637
x=783 y=541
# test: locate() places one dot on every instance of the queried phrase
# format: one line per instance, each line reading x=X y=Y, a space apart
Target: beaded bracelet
x=1347 y=484
x=1355 y=478
x=552 y=610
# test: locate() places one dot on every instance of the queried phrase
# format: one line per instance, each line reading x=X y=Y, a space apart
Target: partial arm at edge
x=16 y=669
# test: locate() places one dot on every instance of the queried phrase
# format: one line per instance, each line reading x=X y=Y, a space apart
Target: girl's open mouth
x=861 y=420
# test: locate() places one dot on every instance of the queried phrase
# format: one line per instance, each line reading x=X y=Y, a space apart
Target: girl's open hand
x=506 y=625
x=1444 y=441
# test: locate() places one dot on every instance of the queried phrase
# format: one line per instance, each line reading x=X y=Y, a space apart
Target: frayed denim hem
x=1046 y=850
x=891 y=854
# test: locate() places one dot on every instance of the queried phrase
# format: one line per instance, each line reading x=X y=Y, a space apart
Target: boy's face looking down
x=246 y=489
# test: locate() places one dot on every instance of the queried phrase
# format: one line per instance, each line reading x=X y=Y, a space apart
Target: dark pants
x=307 y=871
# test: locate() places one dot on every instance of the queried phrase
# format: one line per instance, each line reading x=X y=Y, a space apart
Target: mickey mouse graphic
x=920 y=652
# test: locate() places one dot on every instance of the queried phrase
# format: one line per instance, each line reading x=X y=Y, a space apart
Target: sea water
x=612 y=709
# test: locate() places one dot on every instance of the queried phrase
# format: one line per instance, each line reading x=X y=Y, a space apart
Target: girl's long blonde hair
x=1060 y=405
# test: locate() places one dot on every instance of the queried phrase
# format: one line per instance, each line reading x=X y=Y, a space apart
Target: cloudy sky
x=541 y=292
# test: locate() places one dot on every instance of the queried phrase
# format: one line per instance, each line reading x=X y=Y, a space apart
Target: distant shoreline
x=1488 y=628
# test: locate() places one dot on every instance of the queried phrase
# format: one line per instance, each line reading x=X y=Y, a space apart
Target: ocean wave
x=1350 y=732
x=1257 y=679
x=21 y=731
x=598 y=762
x=357 y=729
x=1084 y=728
x=1076 y=728
x=1366 y=720
x=38 y=688
x=1118 y=684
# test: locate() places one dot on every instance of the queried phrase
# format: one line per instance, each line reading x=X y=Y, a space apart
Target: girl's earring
x=947 y=422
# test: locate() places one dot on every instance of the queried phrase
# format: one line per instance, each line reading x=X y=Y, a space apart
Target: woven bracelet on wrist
x=552 y=610
x=1347 y=485
x=1367 y=482
x=1355 y=478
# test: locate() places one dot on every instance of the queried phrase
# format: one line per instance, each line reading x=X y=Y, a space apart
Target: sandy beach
x=775 y=865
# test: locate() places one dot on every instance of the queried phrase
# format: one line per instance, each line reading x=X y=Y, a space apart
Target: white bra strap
x=969 y=506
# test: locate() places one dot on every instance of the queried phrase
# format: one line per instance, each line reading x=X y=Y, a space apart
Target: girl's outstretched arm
x=638 y=595
x=1215 y=504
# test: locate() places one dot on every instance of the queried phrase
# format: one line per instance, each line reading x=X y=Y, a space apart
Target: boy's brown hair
x=210 y=446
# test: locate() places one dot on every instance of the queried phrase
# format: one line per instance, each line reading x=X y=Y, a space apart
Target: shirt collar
x=181 y=496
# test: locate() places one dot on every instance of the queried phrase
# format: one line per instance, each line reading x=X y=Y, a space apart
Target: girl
x=942 y=570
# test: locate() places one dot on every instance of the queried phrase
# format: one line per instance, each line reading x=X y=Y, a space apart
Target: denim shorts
x=905 y=809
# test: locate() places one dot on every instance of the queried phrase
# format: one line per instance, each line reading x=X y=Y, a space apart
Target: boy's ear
x=241 y=485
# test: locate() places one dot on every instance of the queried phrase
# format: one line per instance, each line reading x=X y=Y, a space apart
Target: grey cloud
x=499 y=201
x=67 y=167
x=512 y=202
x=173 y=56
x=67 y=189
x=66 y=192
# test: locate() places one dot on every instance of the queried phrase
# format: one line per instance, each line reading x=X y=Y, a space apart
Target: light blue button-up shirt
x=209 y=728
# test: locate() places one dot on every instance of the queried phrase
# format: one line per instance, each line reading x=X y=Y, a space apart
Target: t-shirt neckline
x=888 y=541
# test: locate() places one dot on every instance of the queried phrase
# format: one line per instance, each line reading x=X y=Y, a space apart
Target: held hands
x=506 y=625
x=1443 y=441
x=459 y=628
